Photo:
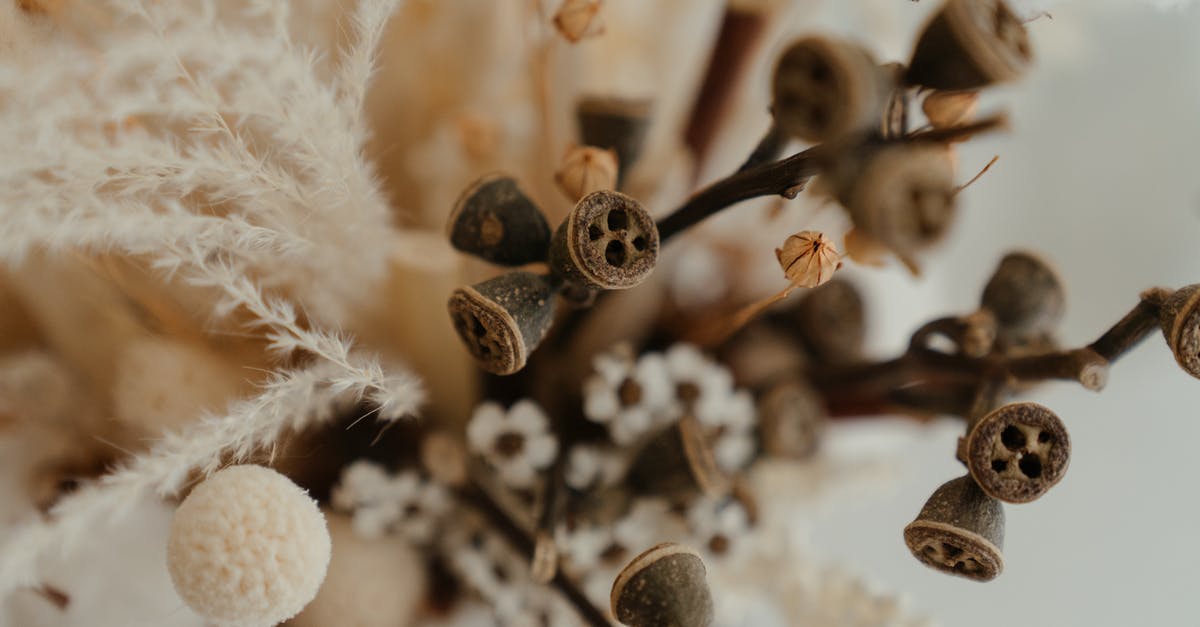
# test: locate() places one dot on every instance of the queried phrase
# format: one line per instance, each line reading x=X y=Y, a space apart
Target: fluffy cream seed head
x=248 y=548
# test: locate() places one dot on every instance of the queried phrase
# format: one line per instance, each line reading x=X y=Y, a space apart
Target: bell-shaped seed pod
x=901 y=195
x=824 y=88
x=678 y=462
x=832 y=323
x=1026 y=296
x=503 y=319
x=494 y=220
x=959 y=531
x=1017 y=452
x=1180 y=320
x=791 y=418
x=664 y=586
x=945 y=109
x=619 y=124
x=970 y=44
x=608 y=241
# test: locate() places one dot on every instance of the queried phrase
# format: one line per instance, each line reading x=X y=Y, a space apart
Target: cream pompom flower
x=516 y=442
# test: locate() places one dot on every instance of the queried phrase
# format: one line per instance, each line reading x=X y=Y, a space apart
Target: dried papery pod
x=970 y=44
x=824 y=88
x=791 y=418
x=1017 y=452
x=494 y=220
x=959 y=531
x=945 y=109
x=616 y=123
x=663 y=587
x=584 y=170
x=503 y=319
x=831 y=322
x=678 y=462
x=901 y=195
x=608 y=241
x=1026 y=296
x=577 y=20
x=1180 y=321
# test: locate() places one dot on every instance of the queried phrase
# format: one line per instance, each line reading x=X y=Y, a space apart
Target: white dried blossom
x=515 y=442
x=591 y=466
x=702 y=387
x=734 y=441
x=649 y=522
x=626 y=395
x=381 y=503
x=718 y=525
x=583 y=546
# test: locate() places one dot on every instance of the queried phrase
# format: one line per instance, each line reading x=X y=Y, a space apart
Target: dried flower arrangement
x=200 y=217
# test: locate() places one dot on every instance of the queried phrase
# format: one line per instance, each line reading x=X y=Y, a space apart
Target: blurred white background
x=1100 y=173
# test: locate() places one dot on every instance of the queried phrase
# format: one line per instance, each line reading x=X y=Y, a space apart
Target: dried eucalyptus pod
x=824 y=88
x=677 y=462
x=1017 y=452
x=663 y=587
x=831 y=322
x=959 y=531
x=1180 y=321
x=494 y=220
x=608 y=241
x=970 y=44
x=502 y=320
x=1026 y=296
x=791 y=418
x=902 y=195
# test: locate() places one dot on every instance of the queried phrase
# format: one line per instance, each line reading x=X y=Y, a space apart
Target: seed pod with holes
x=619 y=124
x=791 y=418
x=959 y=531
x=1180 y=321
x=824 y=88
x=608 y=241
x=831 y=322
x=665 y=585
x=1026 y=296
x=970 y=44
x=494 y=220
x=901 y=195
x=1017 y=452
x=678 y=462
x=503 y=319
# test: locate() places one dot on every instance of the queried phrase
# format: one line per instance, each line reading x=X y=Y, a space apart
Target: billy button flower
x=515 y=442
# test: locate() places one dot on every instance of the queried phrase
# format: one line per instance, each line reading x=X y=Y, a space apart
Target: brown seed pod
x=901 y=195
x=1180 y=321
x=970 y=44
x=959 y=531
x=791 y=418
x=945 y=109
x=585 y=169
x=824 y=88
x=831 y=322
x=678 y=462
x=608 y=241
x=664 y=586
x=616 y=123
x=494 y=220
x=1018 y=452
x=1026 y=296
x=503 y=319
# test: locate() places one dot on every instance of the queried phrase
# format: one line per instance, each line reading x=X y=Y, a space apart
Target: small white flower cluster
x=381 y=503
x=635 y=397
x=516 y=442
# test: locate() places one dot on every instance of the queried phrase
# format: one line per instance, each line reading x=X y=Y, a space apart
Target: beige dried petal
x=584 y=170
x=579 y=19
x=808 y=258
x=864 y=249
x=950 y=108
